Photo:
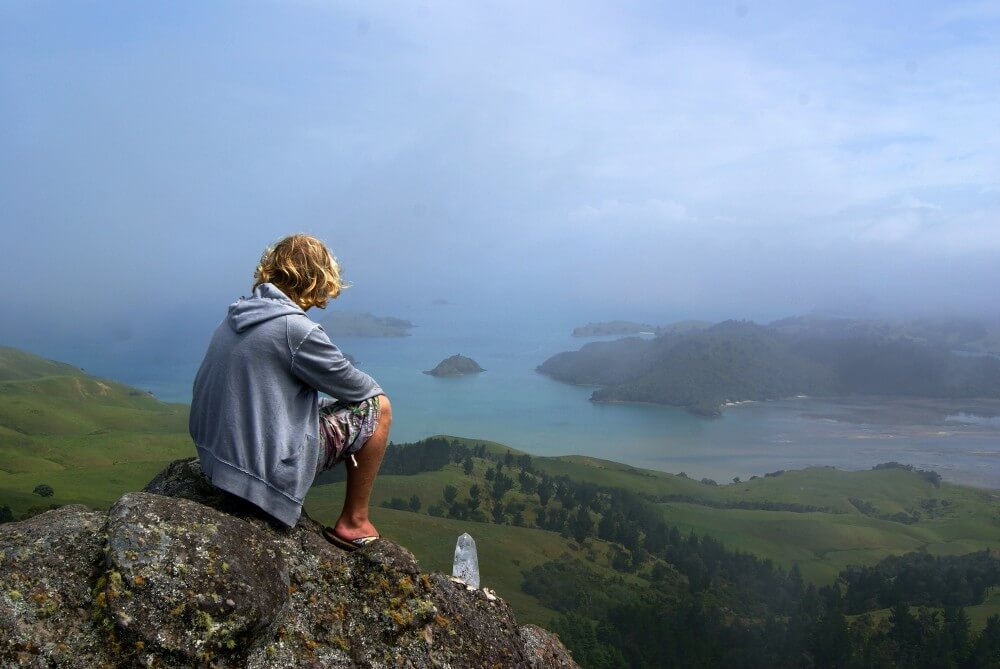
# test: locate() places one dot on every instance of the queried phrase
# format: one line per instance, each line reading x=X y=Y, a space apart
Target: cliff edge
x=183 y=574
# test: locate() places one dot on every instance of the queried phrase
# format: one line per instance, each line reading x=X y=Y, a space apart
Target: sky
x=653 y=161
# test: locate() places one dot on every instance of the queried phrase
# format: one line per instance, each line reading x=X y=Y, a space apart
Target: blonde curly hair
x=303 y=269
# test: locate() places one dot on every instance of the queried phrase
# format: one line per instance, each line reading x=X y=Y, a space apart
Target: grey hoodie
x=255 y=409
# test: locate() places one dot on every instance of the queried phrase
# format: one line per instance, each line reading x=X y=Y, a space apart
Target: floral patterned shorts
x=344 y=428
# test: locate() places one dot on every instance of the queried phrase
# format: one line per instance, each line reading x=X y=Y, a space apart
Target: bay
x=513 y=404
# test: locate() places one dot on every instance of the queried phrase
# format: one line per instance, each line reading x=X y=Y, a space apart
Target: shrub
x=397 y=503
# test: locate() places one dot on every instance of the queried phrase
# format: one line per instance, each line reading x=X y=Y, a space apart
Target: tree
x=43 y=490
x=544 y=492
x=986 y=651
x=450 y=493
x=415 y=504
x=527 y=481
x=467 y=466
x=501 y=484
x=582 y=525
x=6 y=515
x=397 y=503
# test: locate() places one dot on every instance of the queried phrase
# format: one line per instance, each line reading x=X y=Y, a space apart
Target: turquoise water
x=513 y=404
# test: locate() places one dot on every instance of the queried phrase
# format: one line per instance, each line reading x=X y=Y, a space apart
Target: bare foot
x=354 y=530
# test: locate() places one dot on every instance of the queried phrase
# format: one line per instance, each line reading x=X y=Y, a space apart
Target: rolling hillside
x=90 y=439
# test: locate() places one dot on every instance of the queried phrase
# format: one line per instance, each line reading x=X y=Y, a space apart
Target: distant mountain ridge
x=741 y=360
x=970 y=335
x=619 y=327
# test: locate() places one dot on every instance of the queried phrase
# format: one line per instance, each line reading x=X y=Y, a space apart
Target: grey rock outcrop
x=183 y=574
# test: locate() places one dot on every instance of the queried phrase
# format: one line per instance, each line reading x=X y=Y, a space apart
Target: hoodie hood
x=266 y=303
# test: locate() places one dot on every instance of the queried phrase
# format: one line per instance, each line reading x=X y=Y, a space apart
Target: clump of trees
x=920 y=579
x=929 y=475
x=43 y=490
x=401 y=504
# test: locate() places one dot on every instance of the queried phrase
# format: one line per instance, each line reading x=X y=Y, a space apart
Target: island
x=456 y=365
x=364 y=324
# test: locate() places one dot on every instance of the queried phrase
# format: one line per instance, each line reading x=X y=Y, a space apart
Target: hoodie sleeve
x=320 y=364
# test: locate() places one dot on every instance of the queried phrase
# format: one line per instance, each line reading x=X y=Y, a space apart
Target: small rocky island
x=456 y=365
x=363 y=324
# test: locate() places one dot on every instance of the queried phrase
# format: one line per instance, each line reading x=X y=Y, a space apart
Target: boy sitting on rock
x=261 y=430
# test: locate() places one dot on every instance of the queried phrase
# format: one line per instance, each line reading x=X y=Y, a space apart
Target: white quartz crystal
x=466 y=561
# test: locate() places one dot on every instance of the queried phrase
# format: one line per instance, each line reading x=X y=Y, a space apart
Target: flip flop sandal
x=345 y=544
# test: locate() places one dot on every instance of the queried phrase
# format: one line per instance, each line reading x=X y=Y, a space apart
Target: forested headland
x=738 y=360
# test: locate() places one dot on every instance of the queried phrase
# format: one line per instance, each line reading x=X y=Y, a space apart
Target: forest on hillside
x=680 y=598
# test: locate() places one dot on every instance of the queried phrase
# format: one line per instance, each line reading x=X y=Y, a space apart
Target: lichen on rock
x=184 y=574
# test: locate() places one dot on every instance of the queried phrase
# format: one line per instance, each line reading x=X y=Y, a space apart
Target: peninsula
x=703 y=370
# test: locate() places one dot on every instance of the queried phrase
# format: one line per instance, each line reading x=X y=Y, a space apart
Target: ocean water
x=513 y=404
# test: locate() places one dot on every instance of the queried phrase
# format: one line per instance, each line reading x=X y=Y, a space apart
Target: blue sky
x=661 y=160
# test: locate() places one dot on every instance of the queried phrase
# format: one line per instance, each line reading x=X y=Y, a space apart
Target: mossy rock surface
x=184 y=574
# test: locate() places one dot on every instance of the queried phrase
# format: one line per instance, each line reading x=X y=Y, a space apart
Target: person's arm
x=320 y=364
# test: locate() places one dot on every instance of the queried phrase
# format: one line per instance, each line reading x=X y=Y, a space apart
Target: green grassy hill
x=89 y=438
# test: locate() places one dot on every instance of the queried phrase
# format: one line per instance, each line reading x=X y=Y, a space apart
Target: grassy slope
x=822 y=543
x=92 y=440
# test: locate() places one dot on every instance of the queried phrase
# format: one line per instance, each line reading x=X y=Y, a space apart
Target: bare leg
x=353 y=522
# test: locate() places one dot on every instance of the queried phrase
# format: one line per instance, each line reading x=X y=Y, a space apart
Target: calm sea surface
x=513 y=404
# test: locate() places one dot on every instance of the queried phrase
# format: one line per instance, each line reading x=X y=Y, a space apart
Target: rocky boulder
x=183 y=574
